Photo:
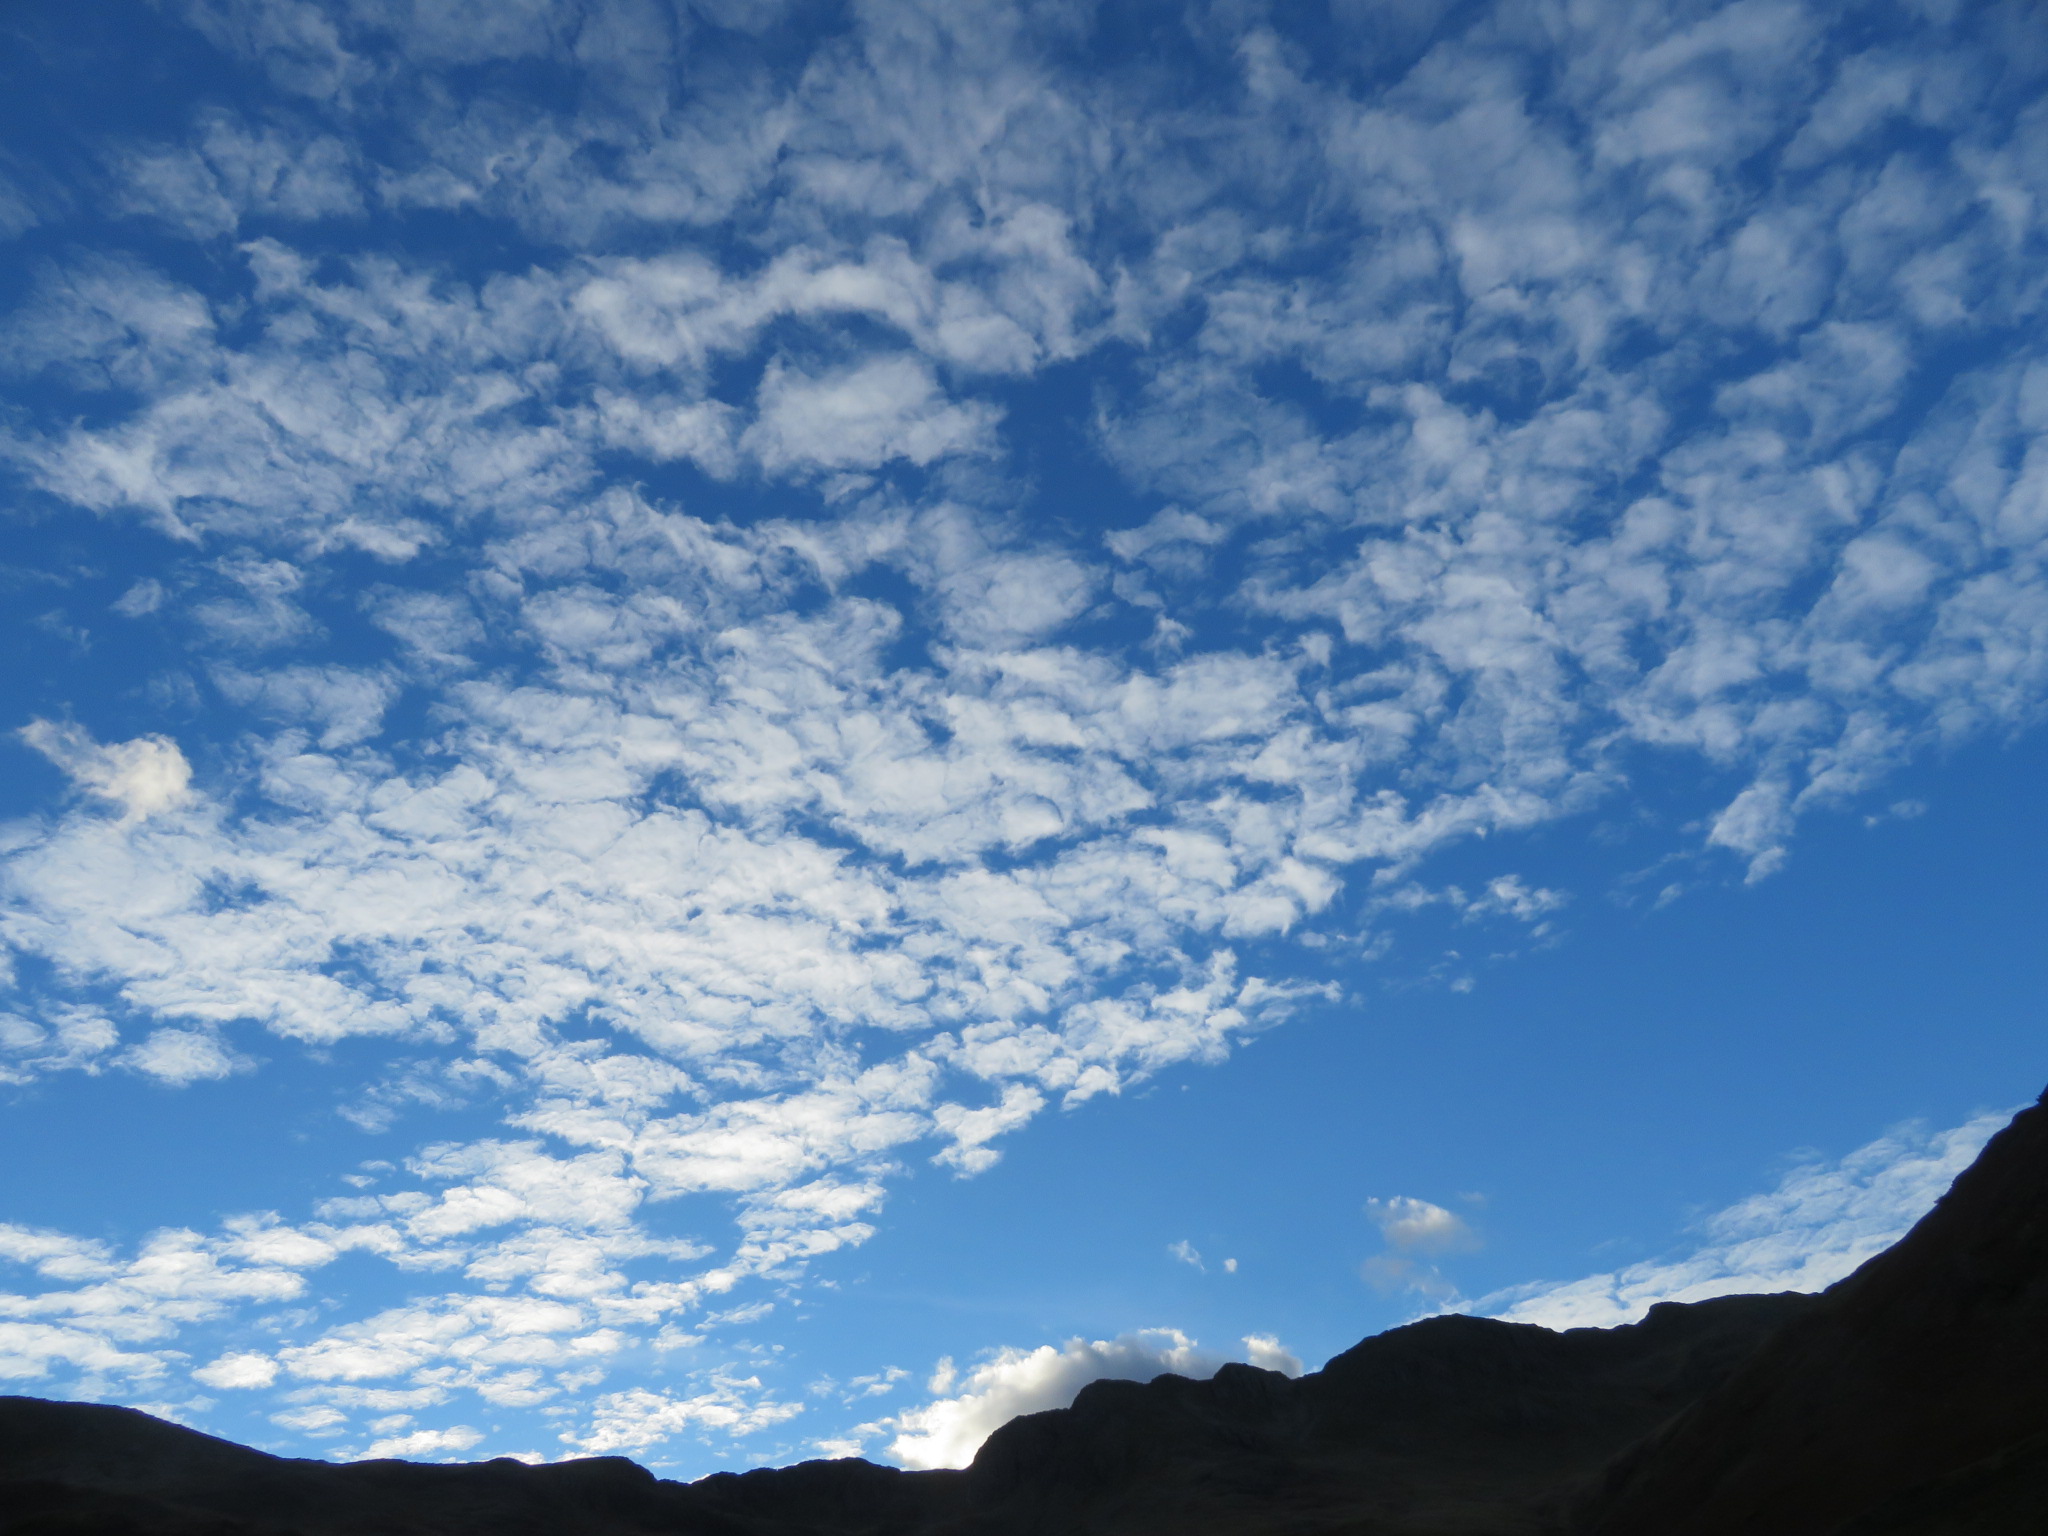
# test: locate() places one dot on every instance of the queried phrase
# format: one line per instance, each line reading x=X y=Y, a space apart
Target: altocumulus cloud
x=666 y=697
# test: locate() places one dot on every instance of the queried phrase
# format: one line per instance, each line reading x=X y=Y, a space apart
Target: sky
x=743 y=730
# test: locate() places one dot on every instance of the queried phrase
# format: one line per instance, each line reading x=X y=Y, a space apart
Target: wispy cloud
x=1821 y=1222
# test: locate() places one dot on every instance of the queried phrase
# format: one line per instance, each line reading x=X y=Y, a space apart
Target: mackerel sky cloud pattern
x=738 y=598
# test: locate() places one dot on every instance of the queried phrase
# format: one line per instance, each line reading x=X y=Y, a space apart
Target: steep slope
x=1916 y=1392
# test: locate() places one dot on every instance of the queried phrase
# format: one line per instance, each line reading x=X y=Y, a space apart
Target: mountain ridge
x=1910 y=1399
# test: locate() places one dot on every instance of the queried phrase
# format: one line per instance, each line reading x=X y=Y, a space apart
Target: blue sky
x=742 y=730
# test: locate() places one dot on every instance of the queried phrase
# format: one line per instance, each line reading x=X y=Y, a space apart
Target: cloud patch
x=969 y=1405
x=145 y=776
x=1821 y=1221
x=861 y=417
x=177 y=1057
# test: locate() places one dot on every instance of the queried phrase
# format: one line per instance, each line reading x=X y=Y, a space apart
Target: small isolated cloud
x=238 y=1372
x=1416 y=1226
x=181 y=1056
x=972 y=1406
x=146 y=596
x=1416 y=1231
x=143 y=776
x=877 y=1385
x=424 y=1442
x=1185 y=1251
x=1819 y=1224
x=318 y=1420
x=1511 y=896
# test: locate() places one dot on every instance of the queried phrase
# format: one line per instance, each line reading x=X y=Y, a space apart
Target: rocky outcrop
x=1910 y=1400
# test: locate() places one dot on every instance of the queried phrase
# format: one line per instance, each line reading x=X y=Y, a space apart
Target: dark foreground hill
x=1909 y=1400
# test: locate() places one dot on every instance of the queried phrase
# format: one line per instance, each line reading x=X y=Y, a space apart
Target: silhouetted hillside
x=1909 y=1400
x=1915 y=1395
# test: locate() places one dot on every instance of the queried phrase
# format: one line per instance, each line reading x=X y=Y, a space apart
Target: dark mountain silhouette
x=1915 y=1396
x=1909 y=1400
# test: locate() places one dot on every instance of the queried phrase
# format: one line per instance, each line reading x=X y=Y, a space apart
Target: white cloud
x=639 y=1418
x=424 y=1442
x=28 y=1351
x=946 y=1433
x=144 y=776
x=1820 y=1223
x=1511 y=895
x=181 y=1056
x=970 y=1405
x=108 y=322
x=662 y=430
x=994 y=597
x=1269 y=1354
x=99 y=1303
x=70 y=1039
x=861 y=417
x=263 y=615
x=344 y=704
x=494 y=1341
x=319 y=1421
x=1415 y=1231
x=971 y=1130
x=241 y=1372
x=146 y=596
x=434 y=626
x=235 y=169
x=1416 y=1226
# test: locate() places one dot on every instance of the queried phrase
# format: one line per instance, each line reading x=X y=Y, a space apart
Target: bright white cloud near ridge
x=708 y=609
x=1814 y=1228
x=1817 y=1225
